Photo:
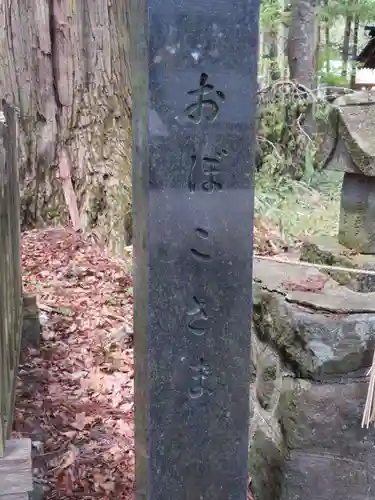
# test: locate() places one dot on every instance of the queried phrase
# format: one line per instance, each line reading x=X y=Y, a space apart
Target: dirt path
x=76 y=394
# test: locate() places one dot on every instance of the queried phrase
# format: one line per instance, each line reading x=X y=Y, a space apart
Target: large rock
x=328 y=251
x=310 y=350
x=318 y=335
x=331 y=456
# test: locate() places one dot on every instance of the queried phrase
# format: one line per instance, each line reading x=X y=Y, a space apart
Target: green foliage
x=299 y=208
x=365 y=9
x=289 y=187
x=272 y=14
x=333 y=80
x=285 y=113
x=327 y=53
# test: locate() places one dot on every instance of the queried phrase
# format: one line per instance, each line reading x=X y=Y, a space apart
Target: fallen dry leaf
x=69 y=458
x=80 y=421
x=70 y=392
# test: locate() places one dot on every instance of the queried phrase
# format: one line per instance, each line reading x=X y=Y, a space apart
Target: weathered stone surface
x=306 y=436
x=350 y=147
x=31 y=327
x=310 y=476
x=328 y=445
x=267 y=453
x=357 y=213
x=356 y=122
x=37 y=493
x=286 y=279
x=266 y=463
x=356 y=98
x=267 y=367
x=311 y=353
x=194 y=68
x=329 y=418
x=319 y=335
x=324 y=250
x=341 y=159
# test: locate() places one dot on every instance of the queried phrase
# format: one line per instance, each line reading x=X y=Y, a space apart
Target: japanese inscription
x=210 y=167
x=194 y=76
x=198 y=254
x=201 y=372
x=198 y=311
x=206 y=174
x=207 y=100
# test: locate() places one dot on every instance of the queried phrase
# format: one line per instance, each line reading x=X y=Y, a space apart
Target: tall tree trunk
x=271 y=54
x=65 y=65
x=345 y=47
x=302 y=41
x=353 y=71
x=316 y=57
x=327 y=42
x=284 y=31
x=274 y=55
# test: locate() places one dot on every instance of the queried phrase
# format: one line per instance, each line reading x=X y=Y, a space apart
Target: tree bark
x=327 y=42
x=345 y=47
x=353 y=72
x=271 y=54
x=302 y=41
x=65 y=66
x=316 y=56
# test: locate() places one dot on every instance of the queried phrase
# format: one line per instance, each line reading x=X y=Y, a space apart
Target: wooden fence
x=10 y=270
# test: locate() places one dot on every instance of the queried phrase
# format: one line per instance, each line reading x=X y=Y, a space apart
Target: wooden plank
x=16 y=468
x=3 y=288
x=10 y=270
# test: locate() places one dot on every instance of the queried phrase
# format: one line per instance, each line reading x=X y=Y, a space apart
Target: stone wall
x=312 y=344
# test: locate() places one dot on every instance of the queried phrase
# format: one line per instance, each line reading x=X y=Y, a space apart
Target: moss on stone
x=266 y=467
x=329 y=252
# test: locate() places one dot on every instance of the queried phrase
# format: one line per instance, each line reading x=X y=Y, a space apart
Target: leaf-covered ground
x=76 y=394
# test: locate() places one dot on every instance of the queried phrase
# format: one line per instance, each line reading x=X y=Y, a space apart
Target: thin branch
x=263 y=139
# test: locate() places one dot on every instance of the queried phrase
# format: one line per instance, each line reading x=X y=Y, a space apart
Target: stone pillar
x=357 y=214
x=194 y=85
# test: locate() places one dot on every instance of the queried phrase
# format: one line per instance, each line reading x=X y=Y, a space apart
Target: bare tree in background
x=346 y=45
x=303 y=41
x=353 y=71
x=65 y=65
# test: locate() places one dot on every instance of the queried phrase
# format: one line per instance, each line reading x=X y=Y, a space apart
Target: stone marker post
x=194 y=85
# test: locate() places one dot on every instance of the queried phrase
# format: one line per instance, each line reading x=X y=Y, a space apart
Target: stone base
x=311 y=351
x=325 y=250
x=16 y=470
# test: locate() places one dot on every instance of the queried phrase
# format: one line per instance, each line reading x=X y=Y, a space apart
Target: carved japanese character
x=205 y=94
x=199 y=312
x=198 y=254
x=201 y=372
